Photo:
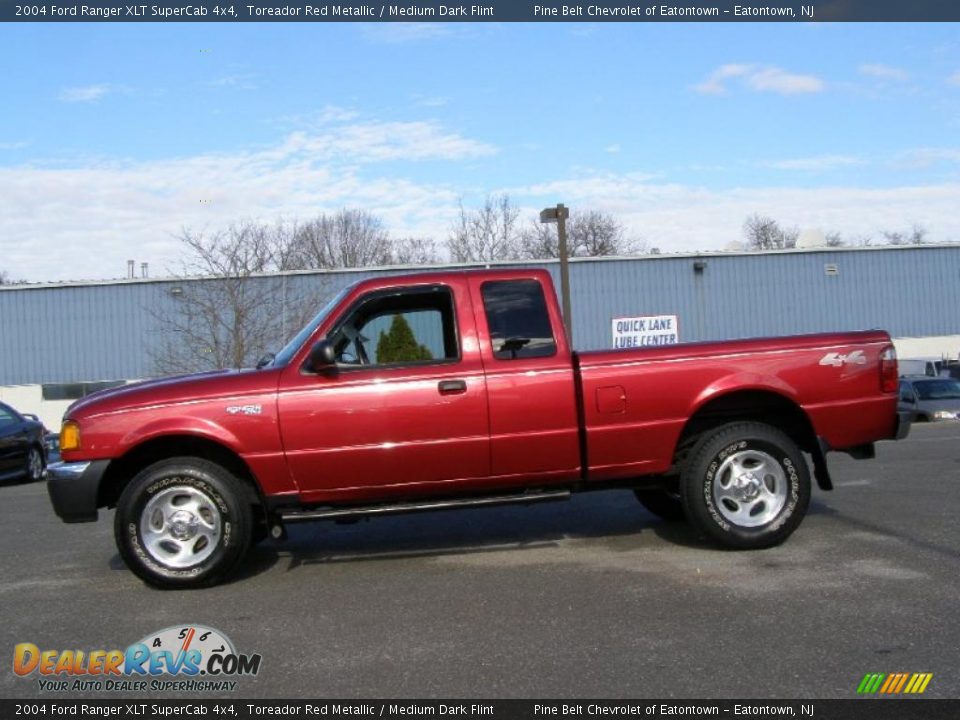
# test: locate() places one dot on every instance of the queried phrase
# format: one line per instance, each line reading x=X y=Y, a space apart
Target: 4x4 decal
x=837 y=360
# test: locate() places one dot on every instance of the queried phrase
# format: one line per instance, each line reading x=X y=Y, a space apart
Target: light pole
x=559 y=215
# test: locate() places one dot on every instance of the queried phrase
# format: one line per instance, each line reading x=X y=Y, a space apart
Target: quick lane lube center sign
x=645 y=331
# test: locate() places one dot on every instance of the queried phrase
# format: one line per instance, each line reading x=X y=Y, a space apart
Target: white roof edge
x=498 y=263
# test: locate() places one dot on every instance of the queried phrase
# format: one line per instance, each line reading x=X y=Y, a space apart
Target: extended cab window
x=518 y=320
x=399 y=327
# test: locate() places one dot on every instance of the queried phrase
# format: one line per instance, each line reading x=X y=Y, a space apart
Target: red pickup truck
x=459 y=389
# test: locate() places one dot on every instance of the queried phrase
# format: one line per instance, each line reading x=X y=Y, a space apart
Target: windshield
x=938 y=389
x=290 y=349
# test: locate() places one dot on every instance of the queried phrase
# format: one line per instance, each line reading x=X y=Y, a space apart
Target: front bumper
x=73 y=489
x=904 y=420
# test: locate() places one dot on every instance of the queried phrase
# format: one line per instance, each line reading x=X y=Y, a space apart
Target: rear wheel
x=746 y=485
x=183 y=522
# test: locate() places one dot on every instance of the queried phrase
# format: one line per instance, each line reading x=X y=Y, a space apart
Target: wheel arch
x=758 y=405
x=123 y=469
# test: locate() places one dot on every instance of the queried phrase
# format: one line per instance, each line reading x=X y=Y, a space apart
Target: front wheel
x=746 y=485
x=183 y=522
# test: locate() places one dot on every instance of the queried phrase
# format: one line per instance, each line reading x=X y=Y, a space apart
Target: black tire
x=35 y=467
x=734 y=480
x=183 y=506
x=665 y=504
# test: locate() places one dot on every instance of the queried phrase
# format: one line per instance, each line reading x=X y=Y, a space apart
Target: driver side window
x=398 y=328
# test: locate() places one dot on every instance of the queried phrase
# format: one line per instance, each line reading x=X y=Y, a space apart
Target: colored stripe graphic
x=894 y=683
x=870 y=683
x=891 y=681
x=899 y=687
x=918 y=683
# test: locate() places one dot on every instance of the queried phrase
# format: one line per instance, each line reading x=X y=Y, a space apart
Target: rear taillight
x=888 y=370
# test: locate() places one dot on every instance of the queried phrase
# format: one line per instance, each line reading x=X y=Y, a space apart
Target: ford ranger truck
x=459 y=389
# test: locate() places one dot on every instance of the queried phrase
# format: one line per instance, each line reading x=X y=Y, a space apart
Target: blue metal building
x=71 y=332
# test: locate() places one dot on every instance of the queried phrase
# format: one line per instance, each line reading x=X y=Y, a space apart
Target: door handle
x=452 y=387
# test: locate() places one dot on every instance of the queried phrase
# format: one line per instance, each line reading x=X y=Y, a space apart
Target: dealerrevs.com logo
x=182 y=658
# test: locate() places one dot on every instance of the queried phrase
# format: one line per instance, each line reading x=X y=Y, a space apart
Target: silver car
x=930 y=398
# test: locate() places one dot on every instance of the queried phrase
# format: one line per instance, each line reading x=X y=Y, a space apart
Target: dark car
x=23 y=450
x=930 y=398
x=951 y=370
x=53 y=448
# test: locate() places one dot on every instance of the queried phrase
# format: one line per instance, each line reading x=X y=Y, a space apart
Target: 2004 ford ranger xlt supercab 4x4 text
x=459 y=389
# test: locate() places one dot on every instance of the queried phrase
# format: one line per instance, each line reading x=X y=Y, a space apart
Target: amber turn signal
x=70 y=436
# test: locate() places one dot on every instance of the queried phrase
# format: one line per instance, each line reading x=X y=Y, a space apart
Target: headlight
x=70 y=436
x=944 y=415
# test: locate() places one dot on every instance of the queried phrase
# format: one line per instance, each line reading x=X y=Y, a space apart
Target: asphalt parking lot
x=590 y=598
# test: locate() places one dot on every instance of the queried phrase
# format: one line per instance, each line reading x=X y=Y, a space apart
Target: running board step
x=411 y=507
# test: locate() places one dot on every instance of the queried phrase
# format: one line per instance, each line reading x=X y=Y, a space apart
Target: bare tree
x=488 y=234
x=414 y=251
x=590 y=233
x=347 y=239
x=226 y=313
x=764 y=233
x=916 y=235
x=4 y=278
x=834 y=239
x=231 y=309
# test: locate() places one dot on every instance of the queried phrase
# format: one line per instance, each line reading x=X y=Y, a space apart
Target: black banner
x=484 y=11
x=854 y=709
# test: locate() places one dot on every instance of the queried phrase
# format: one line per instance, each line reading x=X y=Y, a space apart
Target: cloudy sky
x=114 y=136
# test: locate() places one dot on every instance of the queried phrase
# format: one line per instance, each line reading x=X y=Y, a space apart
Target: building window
x=75 y=391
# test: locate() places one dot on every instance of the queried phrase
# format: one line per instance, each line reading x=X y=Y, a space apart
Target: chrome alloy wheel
x=180 y=527
x=750 y=488
x=35 y=465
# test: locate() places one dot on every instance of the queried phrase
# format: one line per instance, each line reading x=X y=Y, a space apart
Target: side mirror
x=322 y=356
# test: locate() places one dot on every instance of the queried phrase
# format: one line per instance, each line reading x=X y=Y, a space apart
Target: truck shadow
x=615 y=515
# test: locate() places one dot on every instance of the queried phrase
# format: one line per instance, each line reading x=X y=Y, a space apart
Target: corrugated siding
x=102 y=332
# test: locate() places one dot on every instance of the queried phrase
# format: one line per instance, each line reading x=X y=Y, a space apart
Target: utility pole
x=559 y=215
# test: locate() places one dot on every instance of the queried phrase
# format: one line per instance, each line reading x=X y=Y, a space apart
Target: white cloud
x=925 y=157
x=759 y=78
x=588 y=186
x=87 y=93
x=240 y=81
x=714 y=84
x=13 y=145
x=327 y=115
x=883 y=72
x=383 y=141
x=954 y=79
x=815 y=164
x=678 y=217
x=84 y=222
x=432 y=102
x=612 y=149
x=780 y=81
x=404 y=32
